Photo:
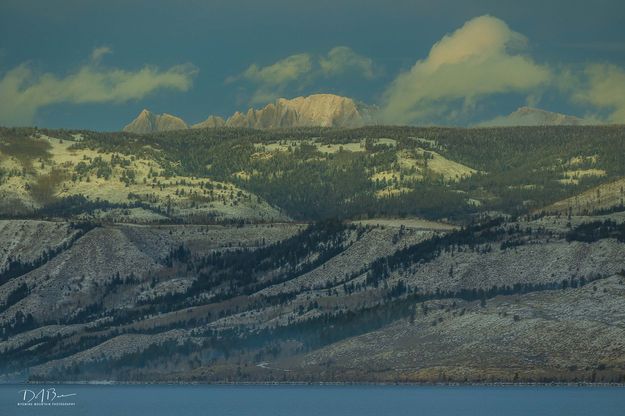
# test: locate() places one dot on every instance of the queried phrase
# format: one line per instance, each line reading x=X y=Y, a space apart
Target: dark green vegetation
x=17 y=143
x=315 y=185
x=337 y=185
x=508 y=293
x=519 y=169
x=246 y=304
x=597 y=230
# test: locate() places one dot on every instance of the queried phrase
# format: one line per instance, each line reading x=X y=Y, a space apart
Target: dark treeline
x=41 y=349
x=19 y=293
x=471 y=236
x=597 y=230
x=238 y=271
x=17 y=267
x=330 y=327
x=314 y=332
x=231 y=273
x=77 y=204
x=242 y=271
x=519 y=168
x=19 y=323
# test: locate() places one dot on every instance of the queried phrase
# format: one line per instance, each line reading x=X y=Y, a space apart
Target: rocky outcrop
x=327 y=110
x=211 y=122
x=527 y=116
x=318 y=110
x=148 y=122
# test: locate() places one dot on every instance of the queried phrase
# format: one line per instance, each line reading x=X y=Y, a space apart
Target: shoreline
x=319 y=383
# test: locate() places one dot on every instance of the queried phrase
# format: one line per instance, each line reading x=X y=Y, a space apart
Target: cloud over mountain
x=527 y=116
x=296 y=71
x=465 y=77
x=603 y=87
x=271 y=80
x=24 y=91
x=481 y=58
x=341 y=60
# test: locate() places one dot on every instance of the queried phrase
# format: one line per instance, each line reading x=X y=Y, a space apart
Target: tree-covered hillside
x=318 y=173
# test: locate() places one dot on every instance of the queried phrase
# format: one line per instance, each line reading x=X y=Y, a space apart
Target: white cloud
x=98 y=53
x=603 y=87
x=23 y=92
x=343 y=60
x=295 y=71
x=271 y=80
x=284 y=71
x=481 y=58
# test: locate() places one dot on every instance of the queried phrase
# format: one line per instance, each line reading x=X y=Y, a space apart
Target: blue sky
x=95 y=65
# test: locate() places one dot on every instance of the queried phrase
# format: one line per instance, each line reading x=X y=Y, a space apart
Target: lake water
x=262 y=400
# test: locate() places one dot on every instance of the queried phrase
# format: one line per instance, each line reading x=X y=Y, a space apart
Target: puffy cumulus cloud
x=283 y=71
x=602 y=86
x=343 y=60
x=479 y=59
x=23 y=92
x=271 y=81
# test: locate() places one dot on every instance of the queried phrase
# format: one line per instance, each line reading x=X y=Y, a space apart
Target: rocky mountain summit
x=327 y=110
x=324 y=110
x=317 y=110
x=148 y=122
x=528 y=116
x=210 y=122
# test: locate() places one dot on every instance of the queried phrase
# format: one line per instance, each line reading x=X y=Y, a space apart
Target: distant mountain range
x=527 y=116
x=325 y=110
x=148 y=122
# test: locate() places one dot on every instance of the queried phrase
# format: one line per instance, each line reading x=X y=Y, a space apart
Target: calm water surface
x=178 y=400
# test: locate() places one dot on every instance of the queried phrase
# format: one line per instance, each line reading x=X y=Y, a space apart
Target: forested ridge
x=317 y=173
x=231 y=254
